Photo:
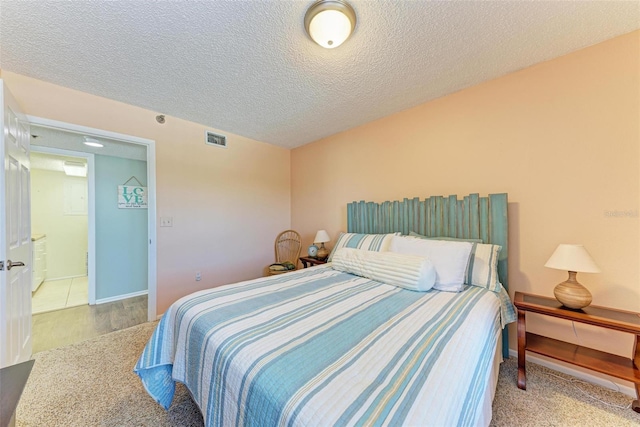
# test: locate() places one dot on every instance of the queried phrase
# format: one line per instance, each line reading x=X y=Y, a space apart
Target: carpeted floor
x=92 y=384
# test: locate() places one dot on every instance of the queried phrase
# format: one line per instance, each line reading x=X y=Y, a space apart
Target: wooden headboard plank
x=437 y=214
x=406 y=218
x=499 y=232
x=474 y=216
x=484 y=224
x=437 y=217
x=415 y=211
x=371 y=207
x=470 y=217
x=452 y=202
x=459 y=219
x=498 y=225
x=466 y=218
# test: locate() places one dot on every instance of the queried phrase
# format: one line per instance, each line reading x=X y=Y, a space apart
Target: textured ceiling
x=248 y=67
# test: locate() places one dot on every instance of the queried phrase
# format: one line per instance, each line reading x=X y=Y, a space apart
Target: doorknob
x=11 y=264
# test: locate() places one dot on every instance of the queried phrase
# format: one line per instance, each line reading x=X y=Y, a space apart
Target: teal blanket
x=321 y=347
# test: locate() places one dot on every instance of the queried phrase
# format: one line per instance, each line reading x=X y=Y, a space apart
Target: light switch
x=166 y=221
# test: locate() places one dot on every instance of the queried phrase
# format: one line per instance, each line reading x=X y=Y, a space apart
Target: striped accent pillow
x=483 y=266
x=411 y=272
x=366 y=242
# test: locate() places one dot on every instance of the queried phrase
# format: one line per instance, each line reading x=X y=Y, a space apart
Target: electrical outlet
x=198 y=276
x=166 y=221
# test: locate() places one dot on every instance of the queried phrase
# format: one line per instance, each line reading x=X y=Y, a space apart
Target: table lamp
x=574 y=259
x=321 y=237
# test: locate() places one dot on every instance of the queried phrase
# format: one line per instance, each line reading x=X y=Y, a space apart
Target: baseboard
x=121 y=297
x=48 y=279
x=608 y=382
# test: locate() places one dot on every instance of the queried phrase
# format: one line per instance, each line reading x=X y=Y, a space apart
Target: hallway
x=71 y=325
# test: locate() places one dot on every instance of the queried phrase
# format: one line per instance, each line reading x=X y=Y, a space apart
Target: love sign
x=132 y=197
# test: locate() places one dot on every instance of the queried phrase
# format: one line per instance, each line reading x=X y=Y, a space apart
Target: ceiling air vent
x=215 y=139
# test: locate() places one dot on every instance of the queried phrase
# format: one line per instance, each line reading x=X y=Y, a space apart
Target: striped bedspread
x=318 y=347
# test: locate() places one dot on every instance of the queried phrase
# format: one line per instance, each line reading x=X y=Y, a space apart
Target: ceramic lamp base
x=322 y=252
x=572 y=294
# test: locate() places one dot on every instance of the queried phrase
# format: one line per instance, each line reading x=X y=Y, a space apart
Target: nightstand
x=308 y=261
x=617 y=366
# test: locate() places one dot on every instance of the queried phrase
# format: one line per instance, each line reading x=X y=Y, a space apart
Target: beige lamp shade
x=321 y=237
x=574 y=259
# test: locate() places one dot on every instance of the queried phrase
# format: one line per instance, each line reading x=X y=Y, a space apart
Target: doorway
x=59 y=231
x=118 y=146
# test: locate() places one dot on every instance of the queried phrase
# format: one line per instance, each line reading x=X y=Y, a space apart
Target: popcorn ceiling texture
x=248 y=67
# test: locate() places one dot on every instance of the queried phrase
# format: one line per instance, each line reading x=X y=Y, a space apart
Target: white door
x=15 y=234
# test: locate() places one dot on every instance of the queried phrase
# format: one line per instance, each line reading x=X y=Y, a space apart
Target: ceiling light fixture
x=330 y=22
x=92 y=142
x=75 y=168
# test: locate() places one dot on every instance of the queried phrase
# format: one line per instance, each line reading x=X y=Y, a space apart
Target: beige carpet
x=92 y=384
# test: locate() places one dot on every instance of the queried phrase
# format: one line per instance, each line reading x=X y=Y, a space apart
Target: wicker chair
x=287 y=247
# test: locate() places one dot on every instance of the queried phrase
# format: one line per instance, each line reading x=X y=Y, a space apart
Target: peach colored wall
x=562 y=138
x=227 y=204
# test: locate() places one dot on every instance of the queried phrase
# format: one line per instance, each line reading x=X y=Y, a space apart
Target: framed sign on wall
x=132 y=196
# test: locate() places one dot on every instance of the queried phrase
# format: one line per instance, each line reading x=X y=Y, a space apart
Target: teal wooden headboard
x=471 y=217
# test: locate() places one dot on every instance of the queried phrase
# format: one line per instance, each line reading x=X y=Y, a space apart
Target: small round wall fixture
x=330 y=22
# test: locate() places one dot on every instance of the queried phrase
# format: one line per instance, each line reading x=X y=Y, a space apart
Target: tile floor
x=58 y=294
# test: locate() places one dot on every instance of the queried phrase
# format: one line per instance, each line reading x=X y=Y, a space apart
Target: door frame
x=151 y=195
x=91 y=209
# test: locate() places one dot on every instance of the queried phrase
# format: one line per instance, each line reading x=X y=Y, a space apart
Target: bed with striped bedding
x=320 y=347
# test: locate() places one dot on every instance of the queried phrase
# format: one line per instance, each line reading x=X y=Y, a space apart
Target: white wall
x=67 y=233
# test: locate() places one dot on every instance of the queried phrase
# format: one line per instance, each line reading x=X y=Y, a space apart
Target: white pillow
x=483 y=263
x=411 y=272
x=450 y=259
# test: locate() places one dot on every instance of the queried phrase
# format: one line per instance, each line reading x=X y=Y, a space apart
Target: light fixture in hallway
x=75 y=168
x=92 y=142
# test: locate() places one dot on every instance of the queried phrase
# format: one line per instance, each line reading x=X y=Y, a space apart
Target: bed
x=322 y=346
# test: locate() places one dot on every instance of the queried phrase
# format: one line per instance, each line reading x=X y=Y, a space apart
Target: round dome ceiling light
x=330 y=22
